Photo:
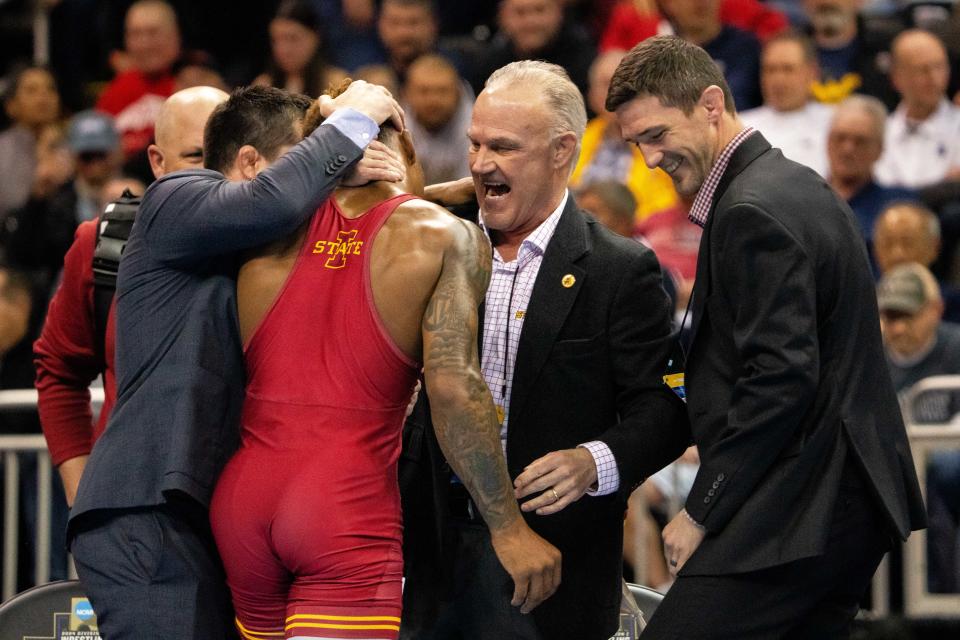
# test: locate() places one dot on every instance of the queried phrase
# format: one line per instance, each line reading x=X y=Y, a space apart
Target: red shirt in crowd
x=674 y=239
x=134 y=100
x=628 y=26
x=67 y=360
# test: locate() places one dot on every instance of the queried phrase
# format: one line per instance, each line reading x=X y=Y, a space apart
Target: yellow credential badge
x=675 y=382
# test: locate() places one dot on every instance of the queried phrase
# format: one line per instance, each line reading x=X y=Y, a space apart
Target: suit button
x=712 y=492
x=341 y=158
x=716 y=484
x=706 y=501
x=721 y=477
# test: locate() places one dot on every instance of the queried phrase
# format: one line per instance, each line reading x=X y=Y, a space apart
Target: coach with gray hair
x=806 y=477
x=575 y=339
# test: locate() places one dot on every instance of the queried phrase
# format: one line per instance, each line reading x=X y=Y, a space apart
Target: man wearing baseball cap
x=36 y=236
x=917 y=342
x=95 y=145
x=918 y=345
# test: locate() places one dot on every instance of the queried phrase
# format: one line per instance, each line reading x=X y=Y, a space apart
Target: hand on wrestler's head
x=371 y=100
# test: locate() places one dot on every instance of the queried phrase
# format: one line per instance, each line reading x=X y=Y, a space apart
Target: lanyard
x=506 y=337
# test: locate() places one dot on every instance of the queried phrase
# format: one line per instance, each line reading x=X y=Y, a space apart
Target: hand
x=691 y=455
x=70 y=472
x=450 y=194
x=680 y=539
x=562 y=477
x=369 y=99
x=413 y=399
x=532 y=562
x=379 y=162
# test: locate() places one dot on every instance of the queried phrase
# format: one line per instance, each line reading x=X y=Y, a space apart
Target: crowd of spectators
x=867 y=94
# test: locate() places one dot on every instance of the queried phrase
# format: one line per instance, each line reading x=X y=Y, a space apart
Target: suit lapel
x=701 y=286
x=748 y=151
x=550 y=303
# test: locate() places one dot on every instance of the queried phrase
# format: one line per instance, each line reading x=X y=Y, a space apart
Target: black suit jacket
x=785 y=373
x=589 y=366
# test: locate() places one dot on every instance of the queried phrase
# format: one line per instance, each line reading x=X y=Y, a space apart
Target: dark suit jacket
x=180 y=370
x=589 y=367
x=785 y=373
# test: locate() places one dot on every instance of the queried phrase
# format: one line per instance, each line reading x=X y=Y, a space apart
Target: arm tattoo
x=463 y=413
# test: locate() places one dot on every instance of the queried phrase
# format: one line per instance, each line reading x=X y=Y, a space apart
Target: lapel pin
x=568 y=281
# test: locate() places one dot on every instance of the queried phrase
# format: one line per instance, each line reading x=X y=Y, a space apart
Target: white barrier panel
x=926 y=439
x=11 y=448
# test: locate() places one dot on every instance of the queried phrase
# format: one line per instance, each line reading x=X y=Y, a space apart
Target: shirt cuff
x=353 y=124
x=608 y=476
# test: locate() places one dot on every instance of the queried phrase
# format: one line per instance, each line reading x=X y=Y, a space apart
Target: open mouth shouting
x=495 y=190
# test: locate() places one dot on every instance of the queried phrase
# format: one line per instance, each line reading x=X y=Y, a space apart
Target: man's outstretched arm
x=465 y=420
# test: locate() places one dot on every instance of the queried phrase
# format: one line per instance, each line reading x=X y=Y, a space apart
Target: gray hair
x=868 y=105
x=560 y=94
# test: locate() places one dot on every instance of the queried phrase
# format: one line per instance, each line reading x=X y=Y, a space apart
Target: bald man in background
x=908 y=232
x=68 y=354
x=923 y=134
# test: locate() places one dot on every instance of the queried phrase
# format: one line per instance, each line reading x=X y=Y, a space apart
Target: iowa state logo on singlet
x=338 y=250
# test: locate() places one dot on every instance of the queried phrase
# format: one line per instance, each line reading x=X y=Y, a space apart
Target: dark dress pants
x=480 y=608
x=812 y=599
x=153 y=573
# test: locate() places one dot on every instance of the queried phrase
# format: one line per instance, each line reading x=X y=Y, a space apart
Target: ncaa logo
x=83 y=610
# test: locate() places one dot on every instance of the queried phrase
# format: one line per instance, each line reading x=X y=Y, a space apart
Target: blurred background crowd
x=864 y=92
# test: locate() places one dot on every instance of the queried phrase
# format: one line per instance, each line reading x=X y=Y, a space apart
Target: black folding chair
x=646 y=598
x=40 y=611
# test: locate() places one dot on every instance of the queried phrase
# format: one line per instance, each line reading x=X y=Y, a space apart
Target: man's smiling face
x=682 y=145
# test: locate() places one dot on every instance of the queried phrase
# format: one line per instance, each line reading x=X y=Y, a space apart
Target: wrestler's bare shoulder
x=430 y=226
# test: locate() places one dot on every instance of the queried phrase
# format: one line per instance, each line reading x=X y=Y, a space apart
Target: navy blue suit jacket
x=180 y=370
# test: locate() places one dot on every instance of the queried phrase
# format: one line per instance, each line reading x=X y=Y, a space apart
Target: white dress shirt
x=499 y=357
x=800 y=134
x=918 y=154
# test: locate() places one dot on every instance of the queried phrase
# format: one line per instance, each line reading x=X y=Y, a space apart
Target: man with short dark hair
x=408 y=30
x=789 y=117
x=536 y=30
x=805 y=478
x=438 y=105
x=736 y=52
x=139 y=530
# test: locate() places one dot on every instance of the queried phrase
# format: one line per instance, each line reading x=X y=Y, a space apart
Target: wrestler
x=335 y=320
